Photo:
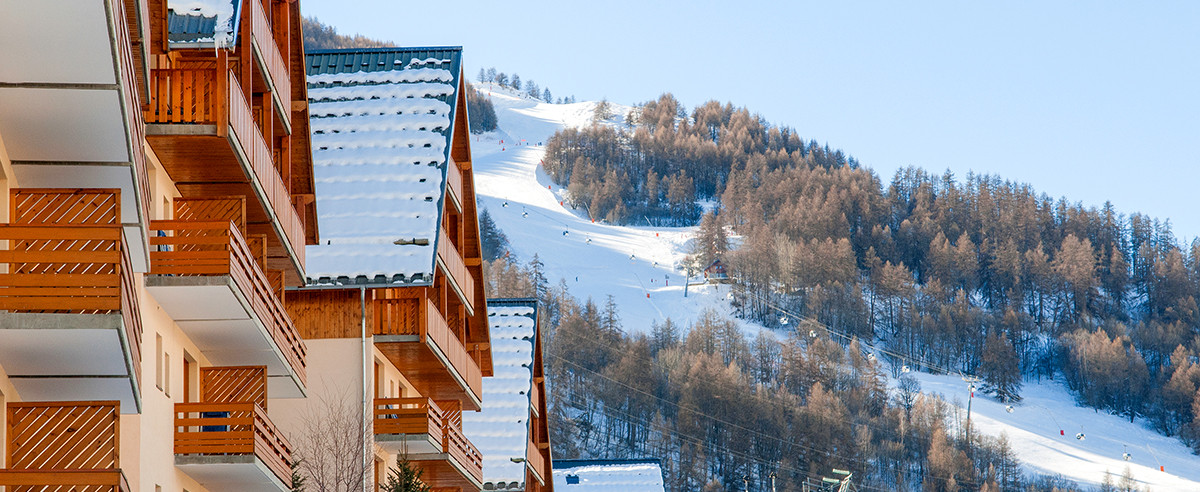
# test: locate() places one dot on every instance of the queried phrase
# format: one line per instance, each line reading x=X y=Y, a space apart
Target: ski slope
x=638 y=267
x=1046 y=408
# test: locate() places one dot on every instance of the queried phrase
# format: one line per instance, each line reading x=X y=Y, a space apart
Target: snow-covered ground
x=1046 y=408
x=638 y=266
x=630 y=263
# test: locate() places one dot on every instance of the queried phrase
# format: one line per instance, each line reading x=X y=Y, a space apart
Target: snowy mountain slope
x=1034 y=426
x=638 y=266
x=534 y=222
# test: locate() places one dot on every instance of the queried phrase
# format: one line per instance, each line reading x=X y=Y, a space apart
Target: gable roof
x=637 y=475
x=382 y=122
x=501 y=429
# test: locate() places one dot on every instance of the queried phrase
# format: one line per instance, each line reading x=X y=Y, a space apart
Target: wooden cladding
x=61 y=447
x=51 y=206
x=246 y=384
x=442 y=420
x=456 y=269
x=187 y=248
x=232 y=428
x=333 y=313
x=214 y=97
x=276 y=68
x=191 y=96
x=432 y=341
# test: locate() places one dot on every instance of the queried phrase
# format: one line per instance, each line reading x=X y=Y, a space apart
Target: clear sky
x=1093 y=101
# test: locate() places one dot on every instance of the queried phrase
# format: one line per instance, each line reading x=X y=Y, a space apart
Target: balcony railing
x=449 y=256
x=232 y=429
x=206 y=97
x=404 y=317
x=535 y=460
x=63 y=446
x=132 y=102
x=424 y=416
x=74 y=269
x=196 y=248
x=272 y=59
x=455 y=179
x=409 y=416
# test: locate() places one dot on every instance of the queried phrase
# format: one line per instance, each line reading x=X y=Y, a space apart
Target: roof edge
x=381 y=50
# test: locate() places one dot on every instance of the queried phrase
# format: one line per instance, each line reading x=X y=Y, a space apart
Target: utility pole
x=687 y=280
x=971 y=380
x=772 y=481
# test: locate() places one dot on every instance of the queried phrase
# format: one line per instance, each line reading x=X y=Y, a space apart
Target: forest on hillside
x=937 y=271
x=726 y=413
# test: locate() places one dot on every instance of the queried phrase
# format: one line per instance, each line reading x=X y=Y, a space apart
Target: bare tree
x=331 y=444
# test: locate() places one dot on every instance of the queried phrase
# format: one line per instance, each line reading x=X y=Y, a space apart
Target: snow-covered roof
x=608 y=475
x=501 y=429
x=382 y=124
x=202 y=23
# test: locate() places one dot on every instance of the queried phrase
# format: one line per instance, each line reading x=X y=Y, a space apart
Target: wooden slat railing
x=457 y=268
x=409 y=416
x=276 y=69
x=232 y=428
x=463 y=451
x=535 y=460
x=190 y=96
x=217 y=248
x=64 y=480
x=241 y=121
x=132 y=102
x=402 y=317
x=455 y=179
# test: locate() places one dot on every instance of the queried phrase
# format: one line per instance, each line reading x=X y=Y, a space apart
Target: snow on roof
x=381 y=133
x=500 y=430
x=608 y=476
x=201 y=23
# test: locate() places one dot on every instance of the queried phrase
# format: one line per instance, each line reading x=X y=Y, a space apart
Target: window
x=158 y=362
x=167 y=373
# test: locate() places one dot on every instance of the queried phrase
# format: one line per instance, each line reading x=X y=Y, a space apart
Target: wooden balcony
x=537 y=462
x=431 y=433
x=461 y=279
x=208 y=279
x=271 y=62
x=64 y=446
x=205 y=134
x=454 y=179
x=416 y=338
x=231 y=447
x=70 y=325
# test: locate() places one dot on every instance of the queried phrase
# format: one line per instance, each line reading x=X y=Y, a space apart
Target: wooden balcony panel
x=71 y=269
x=412 y=425
x=454 y=178
x=217 y=248
x=63 y=446
x=416 y=338
x=453 y=461
x=89 y=480
x=203 y=121
x=268 y=55
x=229 y=429
x=536 y=462
x=461 y=279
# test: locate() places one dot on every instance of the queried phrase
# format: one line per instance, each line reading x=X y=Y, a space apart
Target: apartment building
x=393 y=309
x=156 y=173
x=511 y=430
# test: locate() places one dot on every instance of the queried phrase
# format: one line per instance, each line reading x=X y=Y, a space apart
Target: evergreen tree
x=516 y=82
x=502 y=79
x=494 y=242
x=404 y=477
x=1000 y=371
x=482 y=75
x=546 y=95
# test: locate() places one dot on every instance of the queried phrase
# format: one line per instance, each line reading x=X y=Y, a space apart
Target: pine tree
x=482 y=75
x=1000 y=370
x=298 y=478
x=546 y=95
x=404 y=477
x=516 y=82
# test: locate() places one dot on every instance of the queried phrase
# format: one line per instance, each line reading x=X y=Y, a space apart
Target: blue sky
x=1093 y=101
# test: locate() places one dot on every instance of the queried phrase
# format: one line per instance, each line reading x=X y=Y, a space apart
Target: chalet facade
x=512 y=431
x=393 y=309
x=157 y=186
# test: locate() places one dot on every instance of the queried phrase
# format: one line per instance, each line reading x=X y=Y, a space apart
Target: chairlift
x=1125 y=454
x=904 y=369
x=1009 y=409
x=505 y=204
x=632 y=257
x=524 y=214
x=589 y=240
x=871 y=356
x=1080 y=436
x=812 y=333
x=566 y=233
x=783 y=320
